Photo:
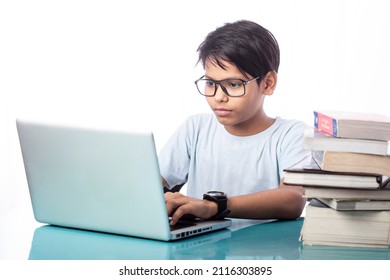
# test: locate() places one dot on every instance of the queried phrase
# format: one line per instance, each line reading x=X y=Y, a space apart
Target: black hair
x=246 y=44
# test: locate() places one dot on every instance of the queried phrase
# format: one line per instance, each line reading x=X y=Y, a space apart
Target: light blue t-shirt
x=204 y=155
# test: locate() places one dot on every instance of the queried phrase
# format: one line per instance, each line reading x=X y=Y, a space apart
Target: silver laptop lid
x=94 y=179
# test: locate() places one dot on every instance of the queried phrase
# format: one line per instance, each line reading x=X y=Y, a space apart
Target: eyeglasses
x=231 y=87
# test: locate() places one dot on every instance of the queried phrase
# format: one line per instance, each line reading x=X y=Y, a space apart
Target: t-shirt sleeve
x=174 y=157
x=293 y=153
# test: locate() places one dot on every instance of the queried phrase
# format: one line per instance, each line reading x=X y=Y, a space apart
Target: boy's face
x=241 y=116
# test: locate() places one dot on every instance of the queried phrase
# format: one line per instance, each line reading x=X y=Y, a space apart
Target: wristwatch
x=221 y=199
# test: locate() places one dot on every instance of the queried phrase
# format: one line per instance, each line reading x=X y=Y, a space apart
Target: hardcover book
x=356 y=125
x=317 y=140
x=353 y=204
x=312 y=176
x=352 y=162
x=344 y=193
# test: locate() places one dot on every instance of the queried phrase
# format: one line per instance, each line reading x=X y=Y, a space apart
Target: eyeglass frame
x=244 y=83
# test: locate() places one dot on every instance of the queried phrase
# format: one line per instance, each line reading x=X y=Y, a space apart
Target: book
x=352 y=162
x=344 y=193
x=313 y=176
x=317 y=140
x=353 y=204
x=356 y=125
x=325 y=226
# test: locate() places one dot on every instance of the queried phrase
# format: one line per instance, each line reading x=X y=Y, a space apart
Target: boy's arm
x=285 y=202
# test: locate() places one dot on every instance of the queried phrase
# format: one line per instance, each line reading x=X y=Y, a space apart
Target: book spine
x=325 y=123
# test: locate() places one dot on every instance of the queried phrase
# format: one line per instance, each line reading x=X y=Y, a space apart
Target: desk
x=267 y=241
x=22 y=238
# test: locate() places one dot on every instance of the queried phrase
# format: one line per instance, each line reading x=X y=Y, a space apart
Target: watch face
x=216 y=194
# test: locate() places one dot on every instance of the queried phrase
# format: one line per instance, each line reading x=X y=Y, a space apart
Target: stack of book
x=348 y=181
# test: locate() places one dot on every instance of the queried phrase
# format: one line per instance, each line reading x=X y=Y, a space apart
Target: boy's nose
x=220 y=94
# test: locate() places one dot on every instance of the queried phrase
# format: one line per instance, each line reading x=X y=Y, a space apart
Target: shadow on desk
x=275 y=240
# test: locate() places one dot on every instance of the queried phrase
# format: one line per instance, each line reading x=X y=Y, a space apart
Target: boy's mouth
x=221 y=112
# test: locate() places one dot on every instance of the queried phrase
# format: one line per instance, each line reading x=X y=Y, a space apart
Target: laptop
x=98 y=179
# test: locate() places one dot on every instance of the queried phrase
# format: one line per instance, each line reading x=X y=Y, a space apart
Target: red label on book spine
x=325 y=123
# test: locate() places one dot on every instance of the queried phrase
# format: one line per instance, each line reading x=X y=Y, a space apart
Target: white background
x=133 y=63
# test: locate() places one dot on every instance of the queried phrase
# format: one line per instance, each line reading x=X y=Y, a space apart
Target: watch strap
x=222 y=210
x=221 y=216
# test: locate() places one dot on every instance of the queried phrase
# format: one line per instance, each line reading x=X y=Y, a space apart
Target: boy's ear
x=270 y=80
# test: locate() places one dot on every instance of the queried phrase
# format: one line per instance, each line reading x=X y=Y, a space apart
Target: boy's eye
x=210 y=83
x=234 y=84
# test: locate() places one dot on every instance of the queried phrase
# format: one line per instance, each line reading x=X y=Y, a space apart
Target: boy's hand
x=178 y=205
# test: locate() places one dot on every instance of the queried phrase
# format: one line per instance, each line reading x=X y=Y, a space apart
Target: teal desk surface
x=277 y=240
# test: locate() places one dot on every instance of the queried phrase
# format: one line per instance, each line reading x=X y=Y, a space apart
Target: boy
x=233 y=161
